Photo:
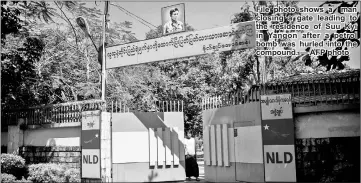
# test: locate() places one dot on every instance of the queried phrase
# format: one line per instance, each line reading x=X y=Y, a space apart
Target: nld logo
x=275 y=157
x=88 y=160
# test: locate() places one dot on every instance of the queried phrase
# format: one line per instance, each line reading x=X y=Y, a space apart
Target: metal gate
x=148 y=146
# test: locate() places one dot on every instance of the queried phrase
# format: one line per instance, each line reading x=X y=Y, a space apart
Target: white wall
x=65 y=136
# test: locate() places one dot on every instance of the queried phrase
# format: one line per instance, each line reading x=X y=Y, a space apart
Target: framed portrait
x=173 y=19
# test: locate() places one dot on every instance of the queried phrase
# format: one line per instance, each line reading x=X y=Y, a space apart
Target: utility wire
x=133 y=16
x=127 y=32
x=139 y=17
x=136 y=16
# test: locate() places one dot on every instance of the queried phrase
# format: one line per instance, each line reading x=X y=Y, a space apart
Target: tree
x=57 y=68
x=79 y=74
x=336 y=62
x=18 y=77
x=17 y=58
x=10 y=22
x=283 y=66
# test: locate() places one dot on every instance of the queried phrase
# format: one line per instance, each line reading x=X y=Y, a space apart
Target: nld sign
x=279 y=163
x=89 y=159
x=90 y=163
x=279 y=158
x=90 y=144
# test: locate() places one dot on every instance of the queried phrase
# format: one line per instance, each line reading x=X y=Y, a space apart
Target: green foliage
x=23 y=180
x=7 y=177
x=13 y=164
x=10 y=21
x=46 y=58
x=46 y=173
x=72 y=175
x=13 y=168
x=18 y=72
x=336 y=62
x=52 y=173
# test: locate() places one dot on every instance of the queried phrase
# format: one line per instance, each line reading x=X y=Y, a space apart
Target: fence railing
x=326 y=91
x=71 y=112
x=57 y=113
x=118 y=106
x=306 y=92
x=230 y=99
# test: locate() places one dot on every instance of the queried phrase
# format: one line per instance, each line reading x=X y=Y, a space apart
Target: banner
x=236 y=36
x=278 y=138
x=90 y=144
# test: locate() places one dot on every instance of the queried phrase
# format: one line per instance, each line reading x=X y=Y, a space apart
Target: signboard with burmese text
x=236 y=36
x=276 y=106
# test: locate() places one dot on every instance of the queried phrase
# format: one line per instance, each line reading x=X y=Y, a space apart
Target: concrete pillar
x=15 y=137
x=106 y=163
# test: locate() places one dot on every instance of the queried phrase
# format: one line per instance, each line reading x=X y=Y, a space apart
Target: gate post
x=15 y=137
x=91 y=146
x=106 y=164
x=96 y=144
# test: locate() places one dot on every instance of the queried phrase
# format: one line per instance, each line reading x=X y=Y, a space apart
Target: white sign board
x=90 y=163
x=276 y=106
x=236 y=36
